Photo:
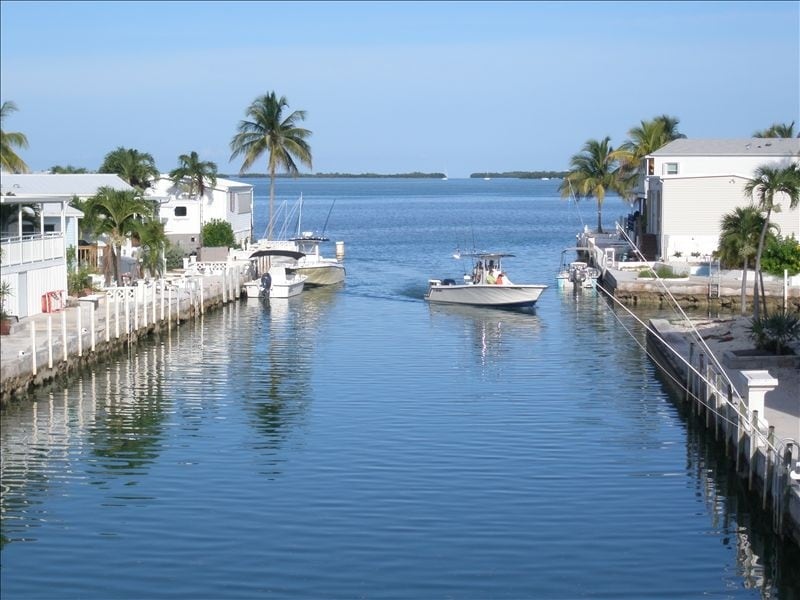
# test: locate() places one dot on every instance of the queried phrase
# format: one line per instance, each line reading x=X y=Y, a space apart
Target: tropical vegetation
x=738 y=241
x=195 y=176
x=775 y=333
x=69 y=169
x=769 y=185
x=781 y=253
x=594 y=172
x=117 y=215
x=269 y=130
x=218 y=233
x=777 y=130
x=138 y=169
x=9 y=140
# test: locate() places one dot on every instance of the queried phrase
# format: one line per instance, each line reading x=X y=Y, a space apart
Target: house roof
x=164 y=184
x=736 y=147
x=48 y=184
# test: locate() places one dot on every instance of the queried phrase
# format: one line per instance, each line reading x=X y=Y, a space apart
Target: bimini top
x=286 y=253
x=485 y=255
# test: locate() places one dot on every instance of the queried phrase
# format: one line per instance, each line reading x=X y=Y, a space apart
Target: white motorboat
x=577 y=274
x=317 y=269
x=281 y=279
x=488 y=285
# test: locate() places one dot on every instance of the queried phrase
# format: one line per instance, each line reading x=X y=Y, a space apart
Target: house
x=37 y=228
x=184 y=215
x=688 y=185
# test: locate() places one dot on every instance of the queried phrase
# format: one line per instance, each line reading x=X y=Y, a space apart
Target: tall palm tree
x=116 y=214
x=645 y=138
x=268 y=129
x=9 y=160
x=768 y=186
x=738 y=240
x=777 y=130
x=137 y=168
x=197 y=176
x=593 y=173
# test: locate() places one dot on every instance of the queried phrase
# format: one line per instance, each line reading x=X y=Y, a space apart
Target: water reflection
x=492 y=332
x=281 y=381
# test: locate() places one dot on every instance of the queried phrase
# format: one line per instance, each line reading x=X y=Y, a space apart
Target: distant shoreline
x=414 y=175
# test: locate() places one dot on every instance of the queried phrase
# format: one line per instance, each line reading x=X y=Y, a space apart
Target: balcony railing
x=37 y=247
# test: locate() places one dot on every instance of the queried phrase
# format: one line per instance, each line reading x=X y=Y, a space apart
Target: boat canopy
x=286 y=253
x=486 y=255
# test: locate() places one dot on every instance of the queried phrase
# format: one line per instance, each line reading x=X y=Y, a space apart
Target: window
x=180 y=211
x=670 y=168
x=49 y=228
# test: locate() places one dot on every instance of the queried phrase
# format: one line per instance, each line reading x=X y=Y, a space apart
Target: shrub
x=218 y=233
x=781 y=253
x=775 y=332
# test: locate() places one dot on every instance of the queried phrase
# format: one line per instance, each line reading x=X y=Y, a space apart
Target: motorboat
x=488 y=285
x=317 y=269
x=577 y=274
x=280 y=279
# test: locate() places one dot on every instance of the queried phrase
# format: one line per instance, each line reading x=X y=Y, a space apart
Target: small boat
x=317 y=269
x=577 y=273
x=280 y=280
x=487 y=286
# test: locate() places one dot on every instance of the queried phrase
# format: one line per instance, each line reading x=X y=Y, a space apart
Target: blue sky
x=392 y=87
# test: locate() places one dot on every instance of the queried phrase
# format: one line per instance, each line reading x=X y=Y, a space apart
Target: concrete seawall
x=49 y=346
x=751 y=408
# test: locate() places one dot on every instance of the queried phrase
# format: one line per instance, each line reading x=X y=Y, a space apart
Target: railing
x=18 y=250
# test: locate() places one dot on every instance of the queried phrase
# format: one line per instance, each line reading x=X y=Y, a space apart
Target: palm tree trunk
x=744 y=287
x=756 y=297
x=271 y=199
x=117 y=251
x=599 y=218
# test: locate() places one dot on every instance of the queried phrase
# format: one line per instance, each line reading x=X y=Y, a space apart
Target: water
x=358 y=442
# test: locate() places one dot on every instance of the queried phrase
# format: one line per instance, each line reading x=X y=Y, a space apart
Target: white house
x=34 y=244
x=690 y=184
x=183 y=215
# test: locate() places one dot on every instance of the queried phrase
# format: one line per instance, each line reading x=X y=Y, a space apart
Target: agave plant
x=775 y=333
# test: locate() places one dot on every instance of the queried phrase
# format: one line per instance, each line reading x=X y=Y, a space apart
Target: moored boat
x=317 y=269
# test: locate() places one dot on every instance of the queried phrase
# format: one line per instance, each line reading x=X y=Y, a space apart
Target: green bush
x=781 y=253
x=218 y=233
x=662 y=272
x=174 y=256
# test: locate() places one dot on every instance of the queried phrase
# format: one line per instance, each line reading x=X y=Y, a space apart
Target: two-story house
x=184 y=214
x=38 y=225
x=688 y=185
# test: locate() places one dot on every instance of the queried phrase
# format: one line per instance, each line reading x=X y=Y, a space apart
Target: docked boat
x=577 y=274
x=280 y=279
x=317 y=269
x=488 y=285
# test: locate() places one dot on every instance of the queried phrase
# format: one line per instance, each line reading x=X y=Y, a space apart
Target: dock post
x=33 y=346
x=700 y=391
x=202 y=300
x=64 y=332
x=753 y=446
x=80 y=332
x=49 y=341
x=690 y=373
x=93 y=321
x=768 y=466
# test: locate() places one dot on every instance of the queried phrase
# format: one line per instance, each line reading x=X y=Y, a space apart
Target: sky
x=391 y=87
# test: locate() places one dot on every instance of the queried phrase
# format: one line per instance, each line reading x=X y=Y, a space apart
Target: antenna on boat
x=300 y=214
x=325 y=226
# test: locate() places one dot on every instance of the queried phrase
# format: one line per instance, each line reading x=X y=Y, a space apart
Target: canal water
x=358 y=443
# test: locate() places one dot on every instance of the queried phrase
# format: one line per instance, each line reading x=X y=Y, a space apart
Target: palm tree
x=645 y=138
x=137 y=168
x=738 y=240
x=194 y=174
x=154 y=244
x=594 y=172
x=9 y=160
x=767 y=183
x=116 y=214
x=270 y=130
x=777 y=130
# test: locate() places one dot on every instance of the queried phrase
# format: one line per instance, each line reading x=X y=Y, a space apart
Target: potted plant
x=5 y=319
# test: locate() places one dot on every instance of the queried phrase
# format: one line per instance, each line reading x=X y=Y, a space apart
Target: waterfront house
x=38 y=226
x=184 y=214
x=688 y=185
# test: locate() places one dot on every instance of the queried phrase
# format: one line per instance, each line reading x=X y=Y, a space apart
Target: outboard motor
x=266 y=283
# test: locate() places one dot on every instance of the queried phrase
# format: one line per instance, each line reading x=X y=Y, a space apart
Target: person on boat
x=499 y=279
x=491 y=277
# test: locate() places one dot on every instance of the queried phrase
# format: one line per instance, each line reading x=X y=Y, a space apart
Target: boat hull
x=322 y=273
x=489 y=295
x=286 y=290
